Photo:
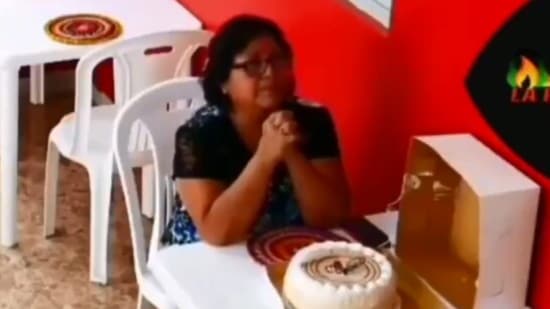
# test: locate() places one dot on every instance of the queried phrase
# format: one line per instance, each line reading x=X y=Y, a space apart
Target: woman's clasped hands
x=280 y=136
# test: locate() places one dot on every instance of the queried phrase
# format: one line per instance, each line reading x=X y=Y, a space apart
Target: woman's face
x=262 y=75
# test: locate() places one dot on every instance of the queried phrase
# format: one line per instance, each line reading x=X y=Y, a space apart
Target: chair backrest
x=139 y=63
x=154 y=59
x=161 y=125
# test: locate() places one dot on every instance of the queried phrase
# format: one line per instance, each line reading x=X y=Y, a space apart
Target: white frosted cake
x=339 y=275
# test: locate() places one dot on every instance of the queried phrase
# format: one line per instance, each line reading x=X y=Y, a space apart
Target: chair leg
x=147 y=191
x=37 y=84
x=101 y=178
x=50 y=189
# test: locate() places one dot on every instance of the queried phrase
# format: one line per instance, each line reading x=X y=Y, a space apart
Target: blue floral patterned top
x=208 y=146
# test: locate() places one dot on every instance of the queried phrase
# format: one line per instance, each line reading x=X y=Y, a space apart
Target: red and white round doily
x=83 y=29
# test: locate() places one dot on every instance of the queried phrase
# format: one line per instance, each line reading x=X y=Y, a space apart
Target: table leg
x=9 y=135
x=37 y=84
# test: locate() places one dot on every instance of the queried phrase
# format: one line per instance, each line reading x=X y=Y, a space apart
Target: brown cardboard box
x=466 y=226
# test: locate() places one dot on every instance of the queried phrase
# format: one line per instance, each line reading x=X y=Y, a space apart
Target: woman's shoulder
x=310 y=111
x=319 y=131
x=308 y=105
x=208 y=119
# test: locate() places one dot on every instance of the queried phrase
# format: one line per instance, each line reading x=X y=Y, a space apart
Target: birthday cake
x=339 y=275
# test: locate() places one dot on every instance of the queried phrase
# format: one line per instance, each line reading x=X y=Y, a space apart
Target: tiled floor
x=53 y=273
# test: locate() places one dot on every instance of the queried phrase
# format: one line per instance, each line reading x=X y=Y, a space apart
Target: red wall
x=381 y=89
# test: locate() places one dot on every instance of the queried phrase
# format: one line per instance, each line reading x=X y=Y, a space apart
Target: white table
x=23 y=42
x=198 y=276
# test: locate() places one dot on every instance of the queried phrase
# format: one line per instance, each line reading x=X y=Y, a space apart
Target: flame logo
x=528 y=70
x=528 y=75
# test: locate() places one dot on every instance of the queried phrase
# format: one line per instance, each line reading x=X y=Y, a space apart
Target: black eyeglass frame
x=257 y=68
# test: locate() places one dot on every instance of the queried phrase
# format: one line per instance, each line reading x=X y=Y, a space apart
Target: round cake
x=339 y=275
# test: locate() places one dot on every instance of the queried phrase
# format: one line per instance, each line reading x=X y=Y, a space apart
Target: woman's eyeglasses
x=257 y=68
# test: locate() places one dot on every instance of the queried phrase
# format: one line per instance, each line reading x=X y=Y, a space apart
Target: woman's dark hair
x=230 y=40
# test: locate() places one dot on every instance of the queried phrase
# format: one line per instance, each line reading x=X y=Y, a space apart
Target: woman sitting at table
x=255 y=157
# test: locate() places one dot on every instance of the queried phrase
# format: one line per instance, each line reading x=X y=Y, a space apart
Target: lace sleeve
x=192 y=157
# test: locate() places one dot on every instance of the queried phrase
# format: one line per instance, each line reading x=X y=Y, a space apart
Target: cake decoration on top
x=343 y=269
x=340 y=275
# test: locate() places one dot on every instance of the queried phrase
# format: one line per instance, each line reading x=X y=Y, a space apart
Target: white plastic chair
x=161 y=125
x=85 y=136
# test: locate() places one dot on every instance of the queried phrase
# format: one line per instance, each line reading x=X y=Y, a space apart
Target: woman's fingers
x=288 y=127
x=282 y=128
x=292 y=139
x=280 y=117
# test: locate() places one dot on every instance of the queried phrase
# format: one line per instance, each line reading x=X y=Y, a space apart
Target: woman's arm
x=315 y=168
x=225 y=215
x=321 y=189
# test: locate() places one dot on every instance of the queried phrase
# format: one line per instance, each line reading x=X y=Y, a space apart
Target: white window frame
x=379 y=10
